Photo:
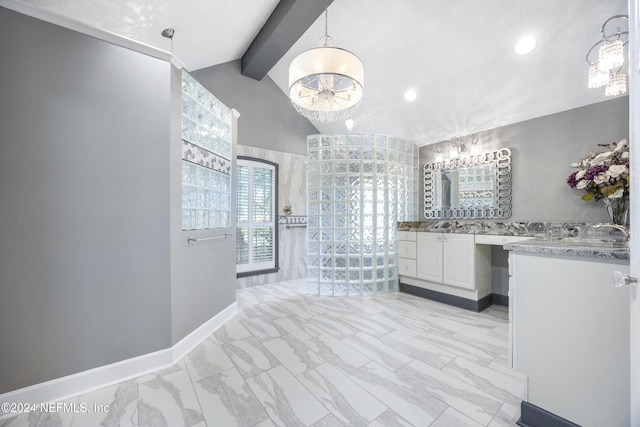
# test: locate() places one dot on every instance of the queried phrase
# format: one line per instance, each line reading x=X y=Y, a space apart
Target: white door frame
x=634 y=138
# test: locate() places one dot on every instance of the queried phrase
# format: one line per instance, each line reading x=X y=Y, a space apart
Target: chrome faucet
x=621 y=228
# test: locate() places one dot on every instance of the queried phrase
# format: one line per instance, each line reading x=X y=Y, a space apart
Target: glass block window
x=256 y=203
x=206 y=154
x=358 y=187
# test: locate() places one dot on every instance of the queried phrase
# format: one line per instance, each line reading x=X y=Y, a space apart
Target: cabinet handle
x=621 y=279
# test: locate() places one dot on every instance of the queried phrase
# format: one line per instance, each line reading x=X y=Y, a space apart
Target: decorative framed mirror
x=474 y=187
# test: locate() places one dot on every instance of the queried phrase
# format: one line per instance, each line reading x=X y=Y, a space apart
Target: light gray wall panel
x=84 y=242
x=542 y=152
x=268 y=120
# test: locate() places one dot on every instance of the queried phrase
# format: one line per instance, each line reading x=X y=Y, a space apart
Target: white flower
x=583 y=183
x=602 y=157
x=619 y=193
x=616 y=170
x=622 y=144
x=600 y=178
x=614 y=164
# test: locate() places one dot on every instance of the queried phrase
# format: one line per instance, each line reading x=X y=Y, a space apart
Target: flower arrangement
x=603 y=175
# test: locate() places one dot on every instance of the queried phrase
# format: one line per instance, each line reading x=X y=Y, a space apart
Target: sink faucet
x=621 y=228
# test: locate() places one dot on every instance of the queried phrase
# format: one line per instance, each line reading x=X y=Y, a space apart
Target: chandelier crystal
x=607 y=70
x=610 y=55
x=597 y=78
x=617 y=84
x=326 y=83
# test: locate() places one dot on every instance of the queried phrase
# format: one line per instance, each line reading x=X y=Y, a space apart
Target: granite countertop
x=576 y=247
x=577 y=239
x=525 y=229
x=462 y=230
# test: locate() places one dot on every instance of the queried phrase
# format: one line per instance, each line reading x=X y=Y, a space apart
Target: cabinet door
x=429 y=257
x=459 y=260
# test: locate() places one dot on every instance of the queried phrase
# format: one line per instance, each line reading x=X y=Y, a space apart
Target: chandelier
x=607 y=71
x=326 y=83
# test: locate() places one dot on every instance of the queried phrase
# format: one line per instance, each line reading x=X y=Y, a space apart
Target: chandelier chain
x=326 y=18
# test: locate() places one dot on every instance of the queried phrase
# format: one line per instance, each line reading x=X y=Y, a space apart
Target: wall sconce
x=460 y=143
x=607 y=70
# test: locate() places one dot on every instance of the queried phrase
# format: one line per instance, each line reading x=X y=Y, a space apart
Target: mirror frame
x=502 y=200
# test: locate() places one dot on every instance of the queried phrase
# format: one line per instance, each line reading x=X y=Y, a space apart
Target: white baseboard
x=103 y=376
x=188 y=343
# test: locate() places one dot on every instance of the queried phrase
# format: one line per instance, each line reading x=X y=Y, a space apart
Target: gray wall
x=94 y=266
x=542 y=152
x=268 y=120
x=203 y=274
x=84 y=241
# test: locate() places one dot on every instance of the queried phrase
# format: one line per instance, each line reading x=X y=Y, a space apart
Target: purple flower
x=572 y=180
x=593 y=171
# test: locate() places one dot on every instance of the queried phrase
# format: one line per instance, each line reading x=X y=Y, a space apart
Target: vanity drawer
x=407 y=249
x=407 y=235
x=407 y=267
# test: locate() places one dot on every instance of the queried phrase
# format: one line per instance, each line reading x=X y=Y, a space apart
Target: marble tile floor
x=291 y=359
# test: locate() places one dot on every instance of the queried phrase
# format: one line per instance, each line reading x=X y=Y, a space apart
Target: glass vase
x=618 y=210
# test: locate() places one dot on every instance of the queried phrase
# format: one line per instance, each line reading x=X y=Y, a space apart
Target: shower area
x=358 y=188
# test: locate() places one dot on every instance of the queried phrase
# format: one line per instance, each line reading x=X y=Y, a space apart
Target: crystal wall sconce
x=460 y=143
x=607 y=71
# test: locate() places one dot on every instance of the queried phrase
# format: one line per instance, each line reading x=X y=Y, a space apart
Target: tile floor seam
x=188 y=369
x=329 y=409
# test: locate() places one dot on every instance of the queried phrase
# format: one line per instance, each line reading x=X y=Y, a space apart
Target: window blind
x=256 y=241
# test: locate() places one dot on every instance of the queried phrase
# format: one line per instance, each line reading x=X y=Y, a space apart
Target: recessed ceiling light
x=410 y=95
x=525 y=45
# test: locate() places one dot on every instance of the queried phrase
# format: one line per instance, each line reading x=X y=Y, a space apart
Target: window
x=257 y=231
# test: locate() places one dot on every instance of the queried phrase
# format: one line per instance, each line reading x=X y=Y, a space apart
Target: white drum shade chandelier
x=326 y=83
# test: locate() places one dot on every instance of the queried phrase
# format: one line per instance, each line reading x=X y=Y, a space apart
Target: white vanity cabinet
x=570 y=337
x=450 y=268
x=447 y=259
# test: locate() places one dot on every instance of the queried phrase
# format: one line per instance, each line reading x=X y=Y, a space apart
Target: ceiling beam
x=288 y=21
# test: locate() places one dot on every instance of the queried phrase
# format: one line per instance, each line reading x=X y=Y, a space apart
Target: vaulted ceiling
x=457 y=54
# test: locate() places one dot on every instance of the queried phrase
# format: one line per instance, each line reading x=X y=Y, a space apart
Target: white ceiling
x=457 y=54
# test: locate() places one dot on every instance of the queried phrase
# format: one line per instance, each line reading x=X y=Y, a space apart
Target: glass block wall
x=206 y=158
x=358 y=187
